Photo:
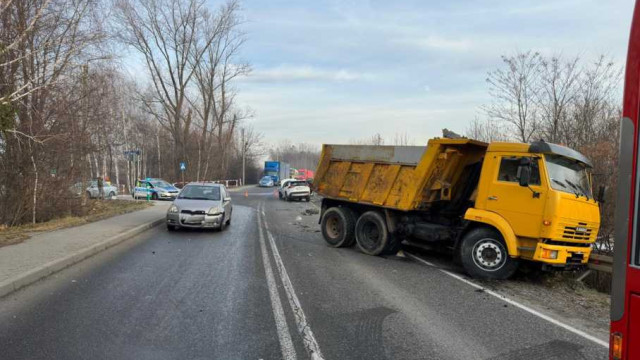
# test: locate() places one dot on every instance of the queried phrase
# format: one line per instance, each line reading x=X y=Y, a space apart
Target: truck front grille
x=580 y=232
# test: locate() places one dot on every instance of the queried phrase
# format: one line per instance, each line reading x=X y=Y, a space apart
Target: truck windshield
x=271 y=173
x=568 y=175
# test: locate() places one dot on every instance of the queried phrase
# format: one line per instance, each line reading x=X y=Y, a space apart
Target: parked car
x=157 y=189
x=201 y=205
x=266 y=181
x=282 y=186
x=108 y=191
x=297 y=189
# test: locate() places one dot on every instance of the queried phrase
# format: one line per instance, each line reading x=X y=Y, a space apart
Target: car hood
x=205 y=205
x=168 y=189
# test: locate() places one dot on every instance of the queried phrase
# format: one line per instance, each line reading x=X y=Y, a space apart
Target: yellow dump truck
x=492 y=204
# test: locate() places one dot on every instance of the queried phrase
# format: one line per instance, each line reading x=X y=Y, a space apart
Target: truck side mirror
x=525 y=171
x=601 y=191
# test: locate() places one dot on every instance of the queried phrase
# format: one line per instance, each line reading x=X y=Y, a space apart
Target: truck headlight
x=216 y=210
x=173 y=209
x=550 y=254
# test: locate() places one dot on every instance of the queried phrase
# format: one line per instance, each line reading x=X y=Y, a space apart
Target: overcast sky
x=333 y=71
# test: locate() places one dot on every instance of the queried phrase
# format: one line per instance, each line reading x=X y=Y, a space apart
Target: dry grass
x=95 y=210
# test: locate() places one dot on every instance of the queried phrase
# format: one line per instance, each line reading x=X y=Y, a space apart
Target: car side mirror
x=525 y=171
x=601 y=191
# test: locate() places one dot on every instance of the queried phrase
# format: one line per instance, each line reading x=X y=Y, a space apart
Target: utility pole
x=243 y=154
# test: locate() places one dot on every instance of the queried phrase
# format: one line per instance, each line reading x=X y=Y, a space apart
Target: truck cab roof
x=539 y=147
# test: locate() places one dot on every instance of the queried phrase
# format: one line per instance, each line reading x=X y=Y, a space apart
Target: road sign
x=132 y=152
x=183 y=166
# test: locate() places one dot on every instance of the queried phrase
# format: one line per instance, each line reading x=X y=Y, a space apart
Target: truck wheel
x=372 y=235
x=484 y=255
x=338 y=226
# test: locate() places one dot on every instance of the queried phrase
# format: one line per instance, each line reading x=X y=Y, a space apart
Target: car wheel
x=229 y=220
x=338 y=226
x=279 y=195
x=171 y=227
x=154 y=196
x=223 y=223
x=88 y=195
x=308 y=198
x=112 y=195
x=484 y=255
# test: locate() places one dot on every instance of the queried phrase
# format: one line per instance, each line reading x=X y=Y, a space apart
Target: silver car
x=108 y=191
x=200 y=205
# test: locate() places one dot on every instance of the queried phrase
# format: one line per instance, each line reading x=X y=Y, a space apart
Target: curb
x=16 y=283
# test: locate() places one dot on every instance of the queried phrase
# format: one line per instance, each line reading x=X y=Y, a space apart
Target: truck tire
x=484 y=255
x=338 y=226
x=372 y=235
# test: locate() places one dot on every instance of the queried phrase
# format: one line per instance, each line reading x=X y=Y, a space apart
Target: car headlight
x=216 y=210
x=173 y=209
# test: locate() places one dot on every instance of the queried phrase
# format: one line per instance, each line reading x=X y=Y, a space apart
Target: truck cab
x=552 y=215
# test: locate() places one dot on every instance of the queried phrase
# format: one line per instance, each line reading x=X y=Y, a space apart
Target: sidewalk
x=49 y=252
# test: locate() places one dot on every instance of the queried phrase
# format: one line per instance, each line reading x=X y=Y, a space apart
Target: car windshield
x=568 y=175
x=266 y=178
x=200 y=192
x=160 y=183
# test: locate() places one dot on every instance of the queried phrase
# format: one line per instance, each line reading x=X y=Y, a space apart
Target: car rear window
x=200 y=192
x=298 y=183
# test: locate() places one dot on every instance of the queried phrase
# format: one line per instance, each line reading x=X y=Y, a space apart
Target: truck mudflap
x=561 y=255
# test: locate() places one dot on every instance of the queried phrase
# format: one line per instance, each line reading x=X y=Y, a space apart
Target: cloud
x=435 y=42
x=293 y=73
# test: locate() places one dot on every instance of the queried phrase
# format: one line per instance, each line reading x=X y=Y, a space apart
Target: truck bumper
x=560 y=255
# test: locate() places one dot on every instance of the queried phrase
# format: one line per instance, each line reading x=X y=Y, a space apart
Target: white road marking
x=284 y=336
x=516 y=304
x=309 y=340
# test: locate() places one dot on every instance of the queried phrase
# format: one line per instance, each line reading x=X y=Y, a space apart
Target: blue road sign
x=183 y=166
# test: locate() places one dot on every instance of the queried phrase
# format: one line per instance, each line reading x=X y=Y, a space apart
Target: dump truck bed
x=398 y=177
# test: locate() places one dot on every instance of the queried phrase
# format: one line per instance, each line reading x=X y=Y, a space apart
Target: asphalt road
x=268 y=288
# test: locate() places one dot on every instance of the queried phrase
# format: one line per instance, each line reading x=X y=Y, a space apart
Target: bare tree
x=42 y=42
x=170 y=35
x=486 y=130
x=514 y=89
x=558 y=82
x=375 y=139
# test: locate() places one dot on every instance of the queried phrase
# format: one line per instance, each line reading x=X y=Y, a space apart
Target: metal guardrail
x=601 y=263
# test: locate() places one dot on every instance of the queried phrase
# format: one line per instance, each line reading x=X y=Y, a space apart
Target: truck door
x=522 y=207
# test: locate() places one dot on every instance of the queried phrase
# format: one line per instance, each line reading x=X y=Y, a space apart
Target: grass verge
x=94 y=210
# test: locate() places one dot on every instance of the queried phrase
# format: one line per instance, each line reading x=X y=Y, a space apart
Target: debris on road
x=310 y=211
